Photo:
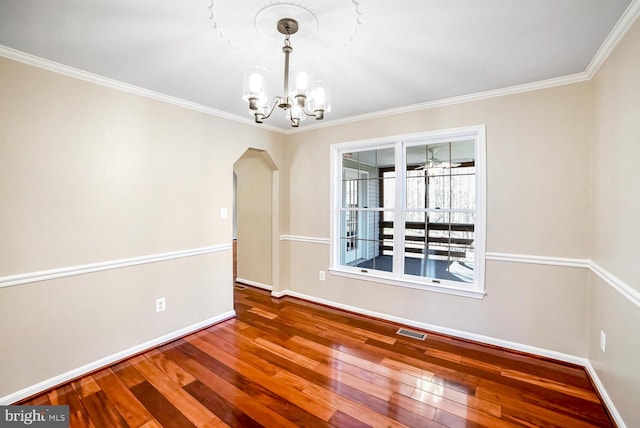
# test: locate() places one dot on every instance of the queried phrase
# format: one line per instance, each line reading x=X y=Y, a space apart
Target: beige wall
x=542 y=306
x=537 y=190
x=51 y=327
x=90 y=174
x=255 y=218
x=615 y=145
x=615 y=197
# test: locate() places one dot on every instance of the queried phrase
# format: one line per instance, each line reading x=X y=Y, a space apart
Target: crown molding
x=65 y=70
x=76 y=73
x=478 y=96
x=617 y=33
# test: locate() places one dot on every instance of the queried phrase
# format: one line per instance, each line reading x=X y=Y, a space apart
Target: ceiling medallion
x=247 y=26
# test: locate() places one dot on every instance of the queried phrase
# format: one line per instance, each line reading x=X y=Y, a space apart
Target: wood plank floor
x=291 y=363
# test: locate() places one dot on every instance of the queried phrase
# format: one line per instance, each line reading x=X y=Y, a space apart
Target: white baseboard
x=279 y=294
x=444 y=330
x=605 y=396
x=111 y=359
x=584 y=362
x=254 y=284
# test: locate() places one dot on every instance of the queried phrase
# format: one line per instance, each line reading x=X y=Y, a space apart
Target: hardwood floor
x=292 y=363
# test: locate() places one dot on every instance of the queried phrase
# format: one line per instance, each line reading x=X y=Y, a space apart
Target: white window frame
x=475 y=289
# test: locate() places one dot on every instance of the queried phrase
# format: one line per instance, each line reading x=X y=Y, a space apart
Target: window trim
x=476 y=289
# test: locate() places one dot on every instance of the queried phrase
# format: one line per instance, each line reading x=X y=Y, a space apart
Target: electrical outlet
x=161 y=304
x=321 y=276
x=603 y=340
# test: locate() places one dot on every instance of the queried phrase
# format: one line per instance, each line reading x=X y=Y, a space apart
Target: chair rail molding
x=45 y=275
x=307 y=239
x=616 y=283
x=538 y=260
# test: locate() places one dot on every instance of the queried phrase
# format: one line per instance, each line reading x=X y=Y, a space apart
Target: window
x=409 y=210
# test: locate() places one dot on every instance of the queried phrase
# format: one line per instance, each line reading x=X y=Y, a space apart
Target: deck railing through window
x=451 y=240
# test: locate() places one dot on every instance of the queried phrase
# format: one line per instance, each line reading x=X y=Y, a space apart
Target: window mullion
x=398 y=214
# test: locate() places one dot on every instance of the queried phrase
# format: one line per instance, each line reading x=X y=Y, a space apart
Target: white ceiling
x=374 y=55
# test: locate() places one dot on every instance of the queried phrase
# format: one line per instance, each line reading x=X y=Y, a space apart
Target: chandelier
x=306 y=98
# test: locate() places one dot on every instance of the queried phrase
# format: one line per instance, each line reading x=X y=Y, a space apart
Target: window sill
x=416 y=285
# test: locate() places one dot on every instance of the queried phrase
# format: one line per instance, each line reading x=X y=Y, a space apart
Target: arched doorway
x=255 y=219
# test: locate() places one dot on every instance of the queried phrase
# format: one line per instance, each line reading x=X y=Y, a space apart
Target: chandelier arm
x=294 y=121
x=274 y=103
x=308 y=113
x=318 y=114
